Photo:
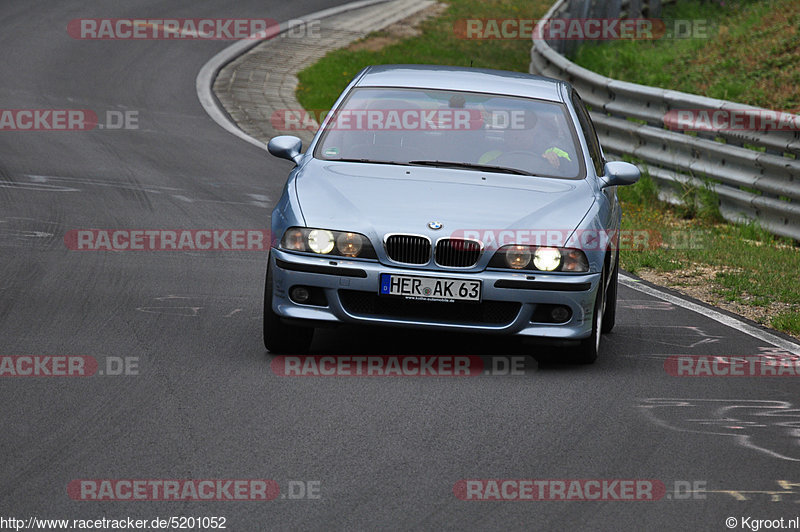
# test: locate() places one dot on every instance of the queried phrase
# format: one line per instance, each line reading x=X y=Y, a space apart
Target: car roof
x=462 y=79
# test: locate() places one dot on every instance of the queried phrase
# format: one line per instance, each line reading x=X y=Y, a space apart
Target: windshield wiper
x=370 y=161
x=470 y=166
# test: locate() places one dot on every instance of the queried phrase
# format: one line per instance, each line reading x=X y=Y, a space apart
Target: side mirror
x=619 y=173
x=286 y=147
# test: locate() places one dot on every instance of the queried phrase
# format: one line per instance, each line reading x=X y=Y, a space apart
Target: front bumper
x=508 y=300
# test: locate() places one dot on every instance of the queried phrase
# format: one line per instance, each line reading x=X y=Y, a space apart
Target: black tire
x=587 y=350
x=279 y=337
x=610 y=315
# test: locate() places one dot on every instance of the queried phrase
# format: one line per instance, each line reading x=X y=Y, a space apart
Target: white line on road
x=719 y=317
x=36 y=178
x=36 y=186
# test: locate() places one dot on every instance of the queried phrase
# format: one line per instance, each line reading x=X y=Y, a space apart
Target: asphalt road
x=205 y=404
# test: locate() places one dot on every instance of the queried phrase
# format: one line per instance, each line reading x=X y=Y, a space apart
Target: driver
x=546 y=139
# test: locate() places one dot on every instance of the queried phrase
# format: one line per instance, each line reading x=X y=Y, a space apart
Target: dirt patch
x=402 y=29
x=697 y=281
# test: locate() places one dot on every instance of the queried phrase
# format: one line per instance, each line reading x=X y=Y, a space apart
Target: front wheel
x=278 y=336
x=610 y=315
x=589 y=348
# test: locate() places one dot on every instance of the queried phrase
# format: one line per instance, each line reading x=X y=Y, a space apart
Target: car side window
x=589 y=133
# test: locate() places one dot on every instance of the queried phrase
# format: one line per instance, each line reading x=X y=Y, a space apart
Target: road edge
x=734 y=321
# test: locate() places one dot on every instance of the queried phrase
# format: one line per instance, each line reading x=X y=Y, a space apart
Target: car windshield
x=450 y=129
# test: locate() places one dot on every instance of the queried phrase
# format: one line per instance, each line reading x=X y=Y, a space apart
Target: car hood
x=376 y=199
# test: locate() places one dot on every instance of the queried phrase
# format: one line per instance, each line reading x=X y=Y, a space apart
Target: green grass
x=756 y=267
x=787 y=321
x=751 y=54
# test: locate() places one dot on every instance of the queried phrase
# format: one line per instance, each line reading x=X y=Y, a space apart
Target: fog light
x=300 y=294
x=559 y=314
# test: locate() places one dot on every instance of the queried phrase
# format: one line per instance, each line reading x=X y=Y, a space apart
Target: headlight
x=350 y=244
x=546 y=259
x=575 y=261
x=320 y=241
x=294 y=239
x=327 y=242
x=518 y=257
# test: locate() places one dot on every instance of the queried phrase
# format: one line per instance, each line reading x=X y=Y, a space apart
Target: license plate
x=430 y=288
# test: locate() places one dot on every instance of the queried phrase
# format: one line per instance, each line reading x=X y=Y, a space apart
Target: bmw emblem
x=435 y=225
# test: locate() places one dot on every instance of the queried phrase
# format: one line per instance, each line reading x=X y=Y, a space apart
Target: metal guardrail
x=755 y=174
